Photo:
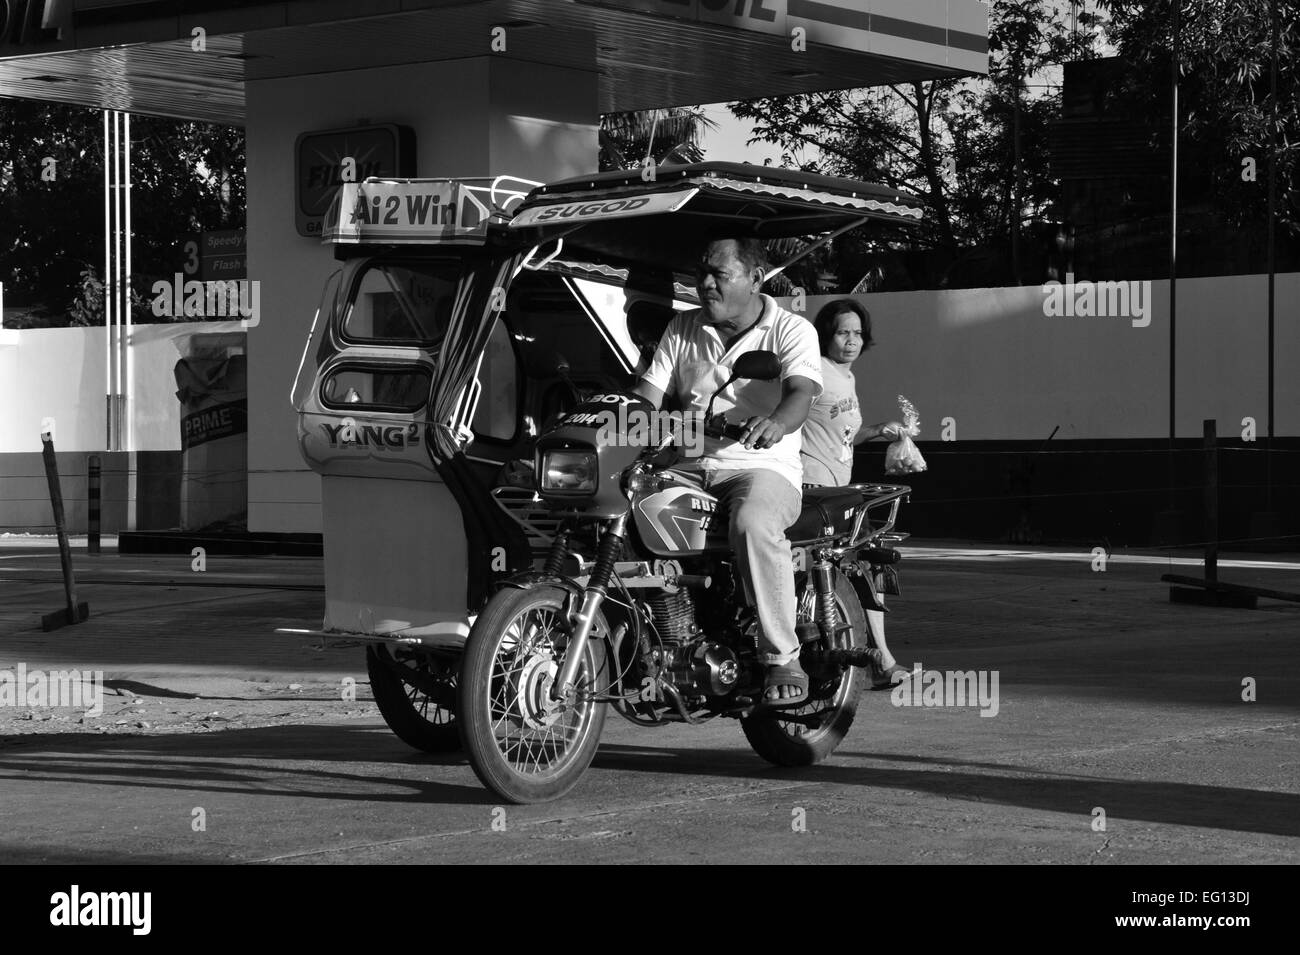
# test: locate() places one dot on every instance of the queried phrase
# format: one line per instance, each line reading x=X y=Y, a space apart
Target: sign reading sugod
x=603 y=209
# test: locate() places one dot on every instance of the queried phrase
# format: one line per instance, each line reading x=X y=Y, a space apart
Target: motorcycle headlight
x=569 y=471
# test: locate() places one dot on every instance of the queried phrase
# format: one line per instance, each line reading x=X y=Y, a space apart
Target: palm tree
x=628 y=140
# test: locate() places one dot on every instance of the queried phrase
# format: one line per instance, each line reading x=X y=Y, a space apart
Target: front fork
x=611 y=545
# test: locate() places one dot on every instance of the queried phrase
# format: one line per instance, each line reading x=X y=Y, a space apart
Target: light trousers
x=760 y=505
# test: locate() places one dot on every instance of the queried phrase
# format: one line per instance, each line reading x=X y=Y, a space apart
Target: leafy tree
x=88 y=306
x=664 y=135
x=185 y=177
x=1225 y=102
x=973 y=150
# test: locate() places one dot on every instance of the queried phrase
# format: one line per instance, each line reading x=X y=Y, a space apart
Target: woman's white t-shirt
x=833 y=422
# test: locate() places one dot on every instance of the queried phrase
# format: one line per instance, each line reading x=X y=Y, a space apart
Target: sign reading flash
x=328 y=159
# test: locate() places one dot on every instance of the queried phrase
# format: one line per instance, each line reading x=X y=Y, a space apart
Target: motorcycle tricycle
x=515 y=567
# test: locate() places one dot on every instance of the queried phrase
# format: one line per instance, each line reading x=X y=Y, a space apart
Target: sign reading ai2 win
x=327 y=159
x=421 y=211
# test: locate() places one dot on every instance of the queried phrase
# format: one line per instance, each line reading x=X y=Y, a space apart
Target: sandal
x=886 y=678
x=789 y=674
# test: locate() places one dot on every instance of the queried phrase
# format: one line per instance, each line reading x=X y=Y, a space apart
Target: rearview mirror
x=757 y=365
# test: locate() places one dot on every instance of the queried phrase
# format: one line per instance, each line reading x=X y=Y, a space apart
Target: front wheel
x=522 y=744
x=833 y=699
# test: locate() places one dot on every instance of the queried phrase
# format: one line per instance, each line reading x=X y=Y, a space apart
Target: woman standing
x=834 y=426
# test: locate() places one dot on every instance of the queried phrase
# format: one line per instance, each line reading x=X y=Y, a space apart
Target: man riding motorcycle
x=758 y=480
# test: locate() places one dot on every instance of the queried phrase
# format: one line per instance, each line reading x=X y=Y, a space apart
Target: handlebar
x=717 y=427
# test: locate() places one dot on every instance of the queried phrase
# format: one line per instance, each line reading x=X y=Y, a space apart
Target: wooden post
x=74 y=612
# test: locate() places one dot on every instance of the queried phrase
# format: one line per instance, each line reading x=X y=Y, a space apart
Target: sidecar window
x=405 y=303
x=376 y=388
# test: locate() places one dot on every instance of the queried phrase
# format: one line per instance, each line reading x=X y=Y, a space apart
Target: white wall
x=991 y=360
x=472 y=117
x=59 y=373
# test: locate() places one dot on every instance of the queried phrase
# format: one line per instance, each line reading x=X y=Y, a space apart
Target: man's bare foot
x=785 y=684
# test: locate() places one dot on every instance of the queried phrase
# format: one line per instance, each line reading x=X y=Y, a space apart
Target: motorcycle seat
x=823 y=508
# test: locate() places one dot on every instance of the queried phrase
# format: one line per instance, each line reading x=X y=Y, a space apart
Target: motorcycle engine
x=696 y=667
x=704 y=668
x=673 y=615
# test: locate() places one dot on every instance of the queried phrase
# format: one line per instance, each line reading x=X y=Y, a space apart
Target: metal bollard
x=1211 y=445
x=93 y=471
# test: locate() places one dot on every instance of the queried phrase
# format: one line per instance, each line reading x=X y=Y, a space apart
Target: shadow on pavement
x=214 y=762
x=1179 y=804
x=147 y=689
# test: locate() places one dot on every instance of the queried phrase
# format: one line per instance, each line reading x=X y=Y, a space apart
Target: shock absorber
x=824 y=584
x=611 y=545
x=559 y=550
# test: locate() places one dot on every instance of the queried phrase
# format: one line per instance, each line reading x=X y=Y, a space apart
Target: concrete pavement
x=1112 y=704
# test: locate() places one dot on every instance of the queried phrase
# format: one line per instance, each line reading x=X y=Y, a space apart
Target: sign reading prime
x=74 y=689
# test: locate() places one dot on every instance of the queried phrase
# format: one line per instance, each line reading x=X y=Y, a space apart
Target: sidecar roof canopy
x=629 y=217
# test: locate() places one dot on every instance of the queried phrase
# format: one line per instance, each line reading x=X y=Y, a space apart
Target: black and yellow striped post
x=94 y=472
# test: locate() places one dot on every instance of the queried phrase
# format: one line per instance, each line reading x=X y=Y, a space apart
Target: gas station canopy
x=140 y=56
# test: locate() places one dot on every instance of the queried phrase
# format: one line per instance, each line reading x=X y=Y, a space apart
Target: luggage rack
x=878 y=495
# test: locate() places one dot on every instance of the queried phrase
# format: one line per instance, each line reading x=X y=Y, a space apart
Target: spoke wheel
x=524 y=745
x=832 y=699
x=400 y=681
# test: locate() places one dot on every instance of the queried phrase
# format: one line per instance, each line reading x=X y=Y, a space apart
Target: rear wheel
x=524 y=745
x=833 y=694
x=415 y=692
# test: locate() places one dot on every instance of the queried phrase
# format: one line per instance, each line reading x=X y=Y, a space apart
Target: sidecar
x=463 y=316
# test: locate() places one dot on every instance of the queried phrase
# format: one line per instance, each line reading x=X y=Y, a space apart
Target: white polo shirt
x=692 y=361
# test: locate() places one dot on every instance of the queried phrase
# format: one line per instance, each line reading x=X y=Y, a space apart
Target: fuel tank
x=679 y=519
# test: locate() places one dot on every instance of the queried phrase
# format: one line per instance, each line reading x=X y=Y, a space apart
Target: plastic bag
x=902 y=456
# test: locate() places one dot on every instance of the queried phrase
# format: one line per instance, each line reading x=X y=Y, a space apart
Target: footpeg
x=855 y=657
